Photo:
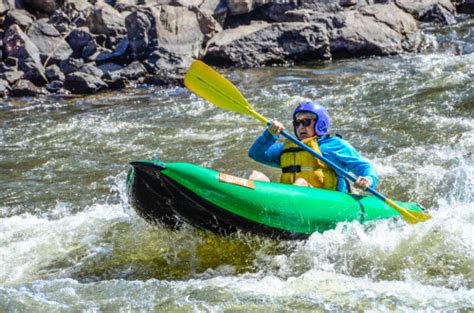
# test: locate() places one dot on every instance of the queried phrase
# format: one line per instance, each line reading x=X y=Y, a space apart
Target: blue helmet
x=323 y=121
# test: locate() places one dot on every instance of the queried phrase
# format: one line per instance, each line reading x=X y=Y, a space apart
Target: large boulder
x=16 y=44
x=106 y=20
x=263 y=43
x=374 y=30
x=52 y=47
x=18 y=17
x=6 y=5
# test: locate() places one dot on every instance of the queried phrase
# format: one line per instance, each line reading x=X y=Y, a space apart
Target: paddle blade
x=207 y=83
x=409 y=216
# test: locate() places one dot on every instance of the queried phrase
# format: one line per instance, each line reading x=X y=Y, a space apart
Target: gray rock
x=53 y=48
x=374 y=30
x=418 y=8
x=21 y=18
x=216 y=8
x=25 y=88
x=6 y=5
x=70 y=65
x=106 y=20
x=110 y=68
x=17 y=45
x=11 y=76
x=91 y=69
x=133 y=71
x=264 y=43
x=82 y=83
x=53 y=72
x=438 y=14
x=4 y=88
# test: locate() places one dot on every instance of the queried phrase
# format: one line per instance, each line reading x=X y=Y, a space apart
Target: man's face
x=302 y=119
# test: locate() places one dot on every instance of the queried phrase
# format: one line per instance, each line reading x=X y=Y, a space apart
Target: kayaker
x=311 y=124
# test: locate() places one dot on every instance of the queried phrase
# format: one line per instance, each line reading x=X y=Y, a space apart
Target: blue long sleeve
x=267 y=151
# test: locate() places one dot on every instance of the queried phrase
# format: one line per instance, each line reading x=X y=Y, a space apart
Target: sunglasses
x=305 y=122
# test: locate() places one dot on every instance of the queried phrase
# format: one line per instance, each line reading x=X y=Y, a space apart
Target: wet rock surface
x=81 y=47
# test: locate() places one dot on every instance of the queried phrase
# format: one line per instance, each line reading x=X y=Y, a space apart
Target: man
x=311 y=124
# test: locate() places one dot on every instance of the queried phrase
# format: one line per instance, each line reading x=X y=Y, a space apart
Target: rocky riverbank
x=82 y=47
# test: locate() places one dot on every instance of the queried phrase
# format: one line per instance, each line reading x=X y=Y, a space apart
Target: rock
x=108 y=68
x=133 y=71
x=61 y=21
x=4 y=88
x=25 y=88
x=138 y=26
x=70 y=65
x=237 y=7
x=106 y=20
x=374 y=30
x=78 y=39
x=418 y=8
x=17 y=45
x=465 y=6
x=82 y=83
x=89 y=49
x=34 y=72
x=21 y=18
x=53 y=72
x=55 y=86
x=91 y=69
x=266 y=44
x=216 y=8
x=11 y=76
x=6 y=5
x=42 y=6
x=438 y=14
x=53 y=48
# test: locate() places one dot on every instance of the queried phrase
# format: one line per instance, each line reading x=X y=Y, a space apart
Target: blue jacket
x=267 y=151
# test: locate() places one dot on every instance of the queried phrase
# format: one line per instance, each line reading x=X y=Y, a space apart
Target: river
x=69 y=241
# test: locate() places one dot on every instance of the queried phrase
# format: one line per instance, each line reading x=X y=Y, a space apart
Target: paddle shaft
x=333 y=165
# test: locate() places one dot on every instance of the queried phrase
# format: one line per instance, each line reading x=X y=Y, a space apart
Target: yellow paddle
x=207 y=83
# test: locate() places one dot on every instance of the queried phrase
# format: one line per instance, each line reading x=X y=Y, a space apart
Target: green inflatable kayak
x=174 y=193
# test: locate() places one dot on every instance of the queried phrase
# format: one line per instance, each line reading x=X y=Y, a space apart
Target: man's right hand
x=275 y=128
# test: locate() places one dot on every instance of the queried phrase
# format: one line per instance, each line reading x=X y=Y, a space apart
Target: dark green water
x=70 y=242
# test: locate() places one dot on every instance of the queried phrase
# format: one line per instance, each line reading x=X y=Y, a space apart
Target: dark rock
x=61 y=21
x=17 y=45
x=41 y=6
x=11 y=62
x=327 y=6
x=266 y=44
x=55 y=86
x=4 y=88
x=89 y=49
x=121 y=52
x=138 y=26
x=91 y=70
x=82 y=83
x=53 y=72
x=104 y=56
x=53 y=48
x=78 y=39
x=438 y=14
x=274 y=12
x=70 y=65
x=133 y=71
x=11 y=76
x=34 y=72
x=117 y=83
x=465 y=6
x=18 y=17
x=25 y=88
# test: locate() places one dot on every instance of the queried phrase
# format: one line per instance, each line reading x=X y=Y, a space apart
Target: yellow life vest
x=296 y=163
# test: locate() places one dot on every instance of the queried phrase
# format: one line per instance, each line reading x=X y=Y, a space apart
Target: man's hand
x=363 y=182
x=276 y=128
